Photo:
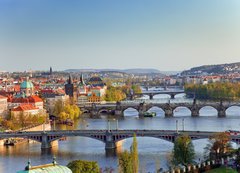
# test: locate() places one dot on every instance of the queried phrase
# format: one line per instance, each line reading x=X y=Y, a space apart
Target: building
x=69 y=88
x=3 y=106
x=26 y=110
x=47 y=168
x=34 y=100
x=82 y=91
x=26 y=88
x=96 y=81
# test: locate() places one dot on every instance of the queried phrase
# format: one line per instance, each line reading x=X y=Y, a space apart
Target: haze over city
x=166 y=35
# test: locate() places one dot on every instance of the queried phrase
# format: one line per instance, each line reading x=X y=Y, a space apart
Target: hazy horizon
x=172 y=35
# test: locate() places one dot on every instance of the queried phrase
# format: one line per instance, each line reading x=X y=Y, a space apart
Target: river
x=153 y=153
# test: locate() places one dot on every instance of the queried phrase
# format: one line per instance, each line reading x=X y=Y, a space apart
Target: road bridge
x=168 y=108
x=108 y=137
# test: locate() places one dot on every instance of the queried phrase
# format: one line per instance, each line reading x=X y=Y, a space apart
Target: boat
x=149 y=114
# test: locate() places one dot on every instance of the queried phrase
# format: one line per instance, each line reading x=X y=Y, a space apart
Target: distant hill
x=129 y=71
x=213 y=69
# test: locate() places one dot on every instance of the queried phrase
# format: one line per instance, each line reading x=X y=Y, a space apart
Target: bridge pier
x=168 y=111
x=194 y=110
x=109 y=143
x=221 y=110
x=142 y=108
x=150 y=96
x=45 y=144
x=118 y=109
x=94 y=114
x=118 y=113
x=195 y=113
x=221 y=113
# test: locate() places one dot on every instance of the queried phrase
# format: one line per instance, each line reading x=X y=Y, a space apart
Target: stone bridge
x=118 y=108
x=108 y=137
x=172 y=94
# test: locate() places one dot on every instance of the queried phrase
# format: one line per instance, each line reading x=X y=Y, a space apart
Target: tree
x=218 y=146
x=66 y=111
x=134 y=153
x=80 y=166
x=183 y=151
x=125 y=162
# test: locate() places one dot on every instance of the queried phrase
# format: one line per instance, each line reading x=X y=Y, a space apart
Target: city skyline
x=164 y=35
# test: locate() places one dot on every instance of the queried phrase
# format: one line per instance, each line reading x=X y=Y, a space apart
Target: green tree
x=183 y=151
x=134 y=153
x=136 y=89
x=66 y=111
x=82 y=166
x=114 y=94
x=58 y=107
x=125 y=162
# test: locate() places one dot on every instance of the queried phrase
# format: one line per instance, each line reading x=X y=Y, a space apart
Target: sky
x=168 y=35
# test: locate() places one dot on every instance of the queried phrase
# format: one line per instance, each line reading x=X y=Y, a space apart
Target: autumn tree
x=134 y=153
x=219 y=145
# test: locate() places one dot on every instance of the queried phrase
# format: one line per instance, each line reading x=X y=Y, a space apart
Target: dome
x=95 y=79
x=47 y=168
x=26 y=84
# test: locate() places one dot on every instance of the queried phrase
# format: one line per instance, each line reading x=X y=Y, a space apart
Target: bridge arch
x=161 y=96
x=145 y=96
x=169 y=139
x=180 y=95
x=101 y=138
x=181 y=111
x=130 y=111
x=104 y=110
x=208 y=110
x=159 y=111
x=233 y=110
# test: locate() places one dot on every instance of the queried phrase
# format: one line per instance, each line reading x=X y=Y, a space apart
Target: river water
x=153 y=153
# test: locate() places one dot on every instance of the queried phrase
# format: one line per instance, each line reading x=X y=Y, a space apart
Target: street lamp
x=108 y=125
x=183 y=124
x=177 y=126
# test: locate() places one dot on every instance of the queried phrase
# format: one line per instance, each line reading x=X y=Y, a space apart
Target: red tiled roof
x=16 y=88
x=25 y=107
x=30 y=99
x=2 y=97
x=35 y=99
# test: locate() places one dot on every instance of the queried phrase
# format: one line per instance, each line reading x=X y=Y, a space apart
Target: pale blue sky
x=161 y=34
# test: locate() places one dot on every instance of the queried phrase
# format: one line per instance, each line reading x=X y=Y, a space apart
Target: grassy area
x=222 y=170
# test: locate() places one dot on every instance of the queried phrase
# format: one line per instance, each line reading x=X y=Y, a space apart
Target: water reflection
x=153 y=152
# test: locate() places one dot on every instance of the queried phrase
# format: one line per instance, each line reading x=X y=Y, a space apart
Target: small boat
x=149 y=114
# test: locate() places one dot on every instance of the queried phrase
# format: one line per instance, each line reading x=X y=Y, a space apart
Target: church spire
x=81 y=80
x=50 y=71
x=70 y=81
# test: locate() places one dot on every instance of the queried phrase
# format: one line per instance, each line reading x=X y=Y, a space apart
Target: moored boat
x=149 y=114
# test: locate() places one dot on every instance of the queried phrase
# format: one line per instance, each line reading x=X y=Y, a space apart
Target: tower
x=50 y=71
x=69 y=86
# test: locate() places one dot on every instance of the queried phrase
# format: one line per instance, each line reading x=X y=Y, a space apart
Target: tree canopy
x=218 y=146
x=66 y=111
x=80 y=166
x=215 y=91
x=183 y=151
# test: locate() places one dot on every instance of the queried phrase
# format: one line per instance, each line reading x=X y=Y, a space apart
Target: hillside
x=129 y=71
x=213 y=69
